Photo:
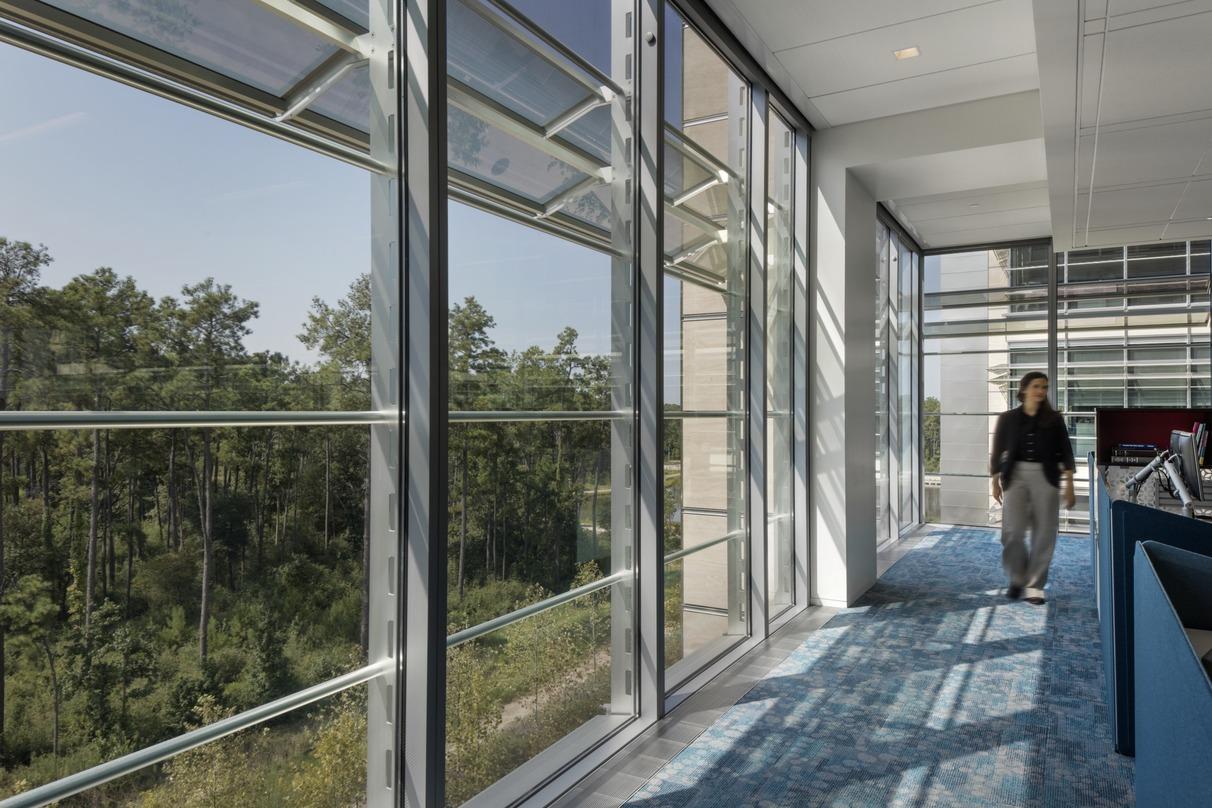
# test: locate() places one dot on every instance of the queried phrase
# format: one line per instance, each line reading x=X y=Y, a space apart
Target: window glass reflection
x=706 y=264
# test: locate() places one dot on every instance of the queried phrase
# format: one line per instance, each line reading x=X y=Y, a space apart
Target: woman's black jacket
x=1053 y=439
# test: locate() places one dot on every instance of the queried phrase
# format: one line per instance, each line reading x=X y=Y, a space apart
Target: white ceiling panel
x=1196 y=204
x=1156 y=69
x=1143 y=153
x=936 y=90
x=1178 y=231
x=1092 y=61
x=1122 y=7
x=1129 y=206
x=956 y=171
x=986 y=220
x=1145 y=99
x=1118 y=236
x=972 y=216
x=865 y=59
x=924 y=209
x=942 y=238
x=838 y=56
x=822 y=20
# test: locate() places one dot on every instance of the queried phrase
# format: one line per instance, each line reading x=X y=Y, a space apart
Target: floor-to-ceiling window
x=541 y=373
x=707 y=143
x=194 y=540
x=1132 y=329
x=236 y=538
x=985 y=324
x=896 y=380
x=780 y=363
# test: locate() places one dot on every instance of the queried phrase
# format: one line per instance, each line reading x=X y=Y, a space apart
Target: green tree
x=474 y=358
x=931 y=436
x=21 y=267
x=211 y=327
x=28 y=611
x=101 y=317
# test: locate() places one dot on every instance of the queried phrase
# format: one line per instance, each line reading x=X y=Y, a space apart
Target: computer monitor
x=1182 y=446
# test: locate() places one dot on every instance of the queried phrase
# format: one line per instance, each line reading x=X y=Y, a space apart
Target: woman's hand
x=996 y=484
x=1070 y=497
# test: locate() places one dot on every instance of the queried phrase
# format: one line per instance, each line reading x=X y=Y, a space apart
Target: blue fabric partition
x=1121 y=524
x=1173 y=591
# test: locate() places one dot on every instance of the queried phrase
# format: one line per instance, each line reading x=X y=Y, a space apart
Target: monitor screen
x=1182 y=446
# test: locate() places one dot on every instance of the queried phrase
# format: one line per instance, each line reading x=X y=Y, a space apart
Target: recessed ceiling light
x=907 y=53
x=975 y=205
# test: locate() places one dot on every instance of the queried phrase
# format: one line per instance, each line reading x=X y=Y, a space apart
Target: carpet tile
x=933 y=691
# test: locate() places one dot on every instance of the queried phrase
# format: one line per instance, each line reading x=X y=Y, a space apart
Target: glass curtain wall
x=985 y=325
x=205 y=513
x=193 y=494
x=706 y=287
x=1132 y=330
x=897 y=377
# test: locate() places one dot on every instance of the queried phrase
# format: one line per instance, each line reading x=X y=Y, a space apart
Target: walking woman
x=1032 y=460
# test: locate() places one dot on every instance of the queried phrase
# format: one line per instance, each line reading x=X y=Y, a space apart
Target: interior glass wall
x=780 y=364
x=896 y=384
x=186 y=461
x=706 y=286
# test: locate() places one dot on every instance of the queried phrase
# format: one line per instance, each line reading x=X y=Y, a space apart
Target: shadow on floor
x=933 y=691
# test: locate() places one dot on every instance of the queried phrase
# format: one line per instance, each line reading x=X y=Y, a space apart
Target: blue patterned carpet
x=934 y=691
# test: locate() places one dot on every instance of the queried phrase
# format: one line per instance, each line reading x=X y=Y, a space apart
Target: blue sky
x=107 y=175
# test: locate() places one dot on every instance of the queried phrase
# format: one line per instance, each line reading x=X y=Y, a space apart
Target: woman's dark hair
x=1046 y=410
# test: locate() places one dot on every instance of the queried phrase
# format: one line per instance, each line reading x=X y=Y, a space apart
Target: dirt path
x=522 y=707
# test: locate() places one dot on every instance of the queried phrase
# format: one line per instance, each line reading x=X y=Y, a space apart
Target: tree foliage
x=156 y=580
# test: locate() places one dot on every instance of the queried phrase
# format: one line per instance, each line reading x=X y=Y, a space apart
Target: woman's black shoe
x=1014 y=592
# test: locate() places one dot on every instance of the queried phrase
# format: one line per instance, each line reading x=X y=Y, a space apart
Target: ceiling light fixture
x=907 y=53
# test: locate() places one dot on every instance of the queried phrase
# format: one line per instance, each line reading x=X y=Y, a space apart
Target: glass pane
x=964 y=442
x=356 y=11
x=780 y=287
x=780 y=511
x=348 y=101
x=517 y=691
x=160 y=285
x=311 y=757
x=906 y=384
x=182 y=576
x=1149 y=260
x=704 y=503
x=885 y=256
x=232 y=37
x=498 y=158
x=704 y=324
x=540 y=373
x=486 y=58
x=1136 y=350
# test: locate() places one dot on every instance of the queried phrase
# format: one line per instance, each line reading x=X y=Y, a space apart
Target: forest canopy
x=154 y=580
